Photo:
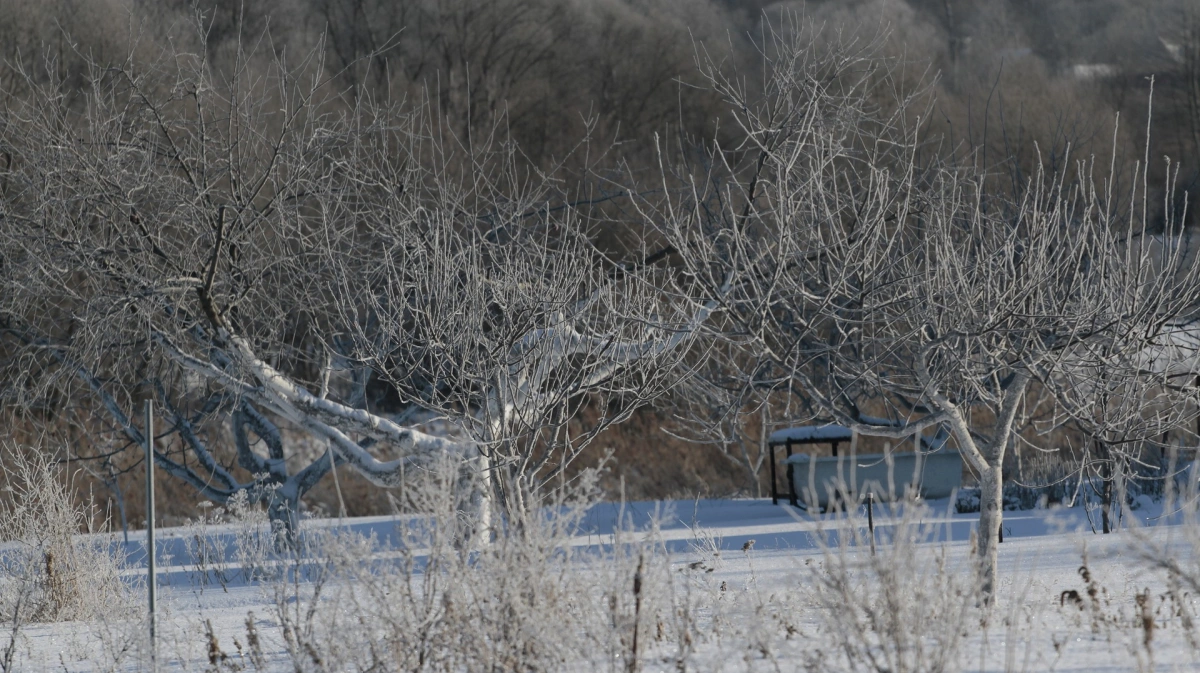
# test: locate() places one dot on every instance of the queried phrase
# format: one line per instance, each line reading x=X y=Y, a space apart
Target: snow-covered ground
x=751 y=572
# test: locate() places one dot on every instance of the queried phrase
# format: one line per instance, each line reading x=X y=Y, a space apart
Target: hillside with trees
x=254 y=127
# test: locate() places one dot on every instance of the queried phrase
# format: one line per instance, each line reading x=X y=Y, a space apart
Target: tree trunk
x=991 y=513
x=1106 y=496
x=764 y=440
x=483 y=500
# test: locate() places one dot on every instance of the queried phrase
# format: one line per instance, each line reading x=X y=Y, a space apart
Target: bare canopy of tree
x=251 y=252
x=893 y=292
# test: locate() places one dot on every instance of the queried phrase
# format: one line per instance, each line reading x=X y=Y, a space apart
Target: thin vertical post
x=790 y=473
x=854 y=463
x=151 y=579
x=774 y=480
x=871 y=519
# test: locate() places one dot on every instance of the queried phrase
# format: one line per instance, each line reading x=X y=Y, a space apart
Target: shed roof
x=830 y=432
x=811 y=434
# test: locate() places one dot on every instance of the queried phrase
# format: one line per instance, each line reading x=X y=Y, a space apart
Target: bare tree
x=870 y=279
x=1125 y=402
x=254 y=251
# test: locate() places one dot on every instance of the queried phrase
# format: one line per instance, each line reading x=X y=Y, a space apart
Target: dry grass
x=436 y=599
x=898 y=605
x=524 y=601
x=49 y=573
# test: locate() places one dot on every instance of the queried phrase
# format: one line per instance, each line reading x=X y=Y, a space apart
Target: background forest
x=1010 y=83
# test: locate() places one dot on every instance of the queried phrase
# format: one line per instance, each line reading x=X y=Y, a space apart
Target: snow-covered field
x=724 y=585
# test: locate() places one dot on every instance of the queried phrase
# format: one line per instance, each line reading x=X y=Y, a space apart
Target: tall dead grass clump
x=438 y=596
x=49 y=572
x=1172 y=548
x=903 y=606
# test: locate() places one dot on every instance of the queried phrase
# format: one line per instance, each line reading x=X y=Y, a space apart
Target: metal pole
x=151 y=580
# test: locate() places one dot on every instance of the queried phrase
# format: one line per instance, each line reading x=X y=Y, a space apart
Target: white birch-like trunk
x=987 y=461
x=483 y=500
x=991 y=514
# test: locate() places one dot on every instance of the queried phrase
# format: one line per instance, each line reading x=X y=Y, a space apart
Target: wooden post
x=918 y=478
x=774 y=489
x=151 y=579
x=871 y=519
x=853 y=485
x=791 y=477
x=793 y=499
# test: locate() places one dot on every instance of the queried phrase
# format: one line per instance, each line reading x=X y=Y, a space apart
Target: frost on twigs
x=233 y=543
x=905 y=608
x=48 y=572
x=432 y=597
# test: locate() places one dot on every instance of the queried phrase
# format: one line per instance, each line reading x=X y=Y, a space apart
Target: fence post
x=871 y=519
x=774 y=479
x=151 y=579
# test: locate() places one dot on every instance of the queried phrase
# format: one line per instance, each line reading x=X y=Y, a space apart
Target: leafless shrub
x=905 y=608
x=48 y=572
x=434 y=597
x=1175 y=552
x=236 y=541
x=208 y=553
